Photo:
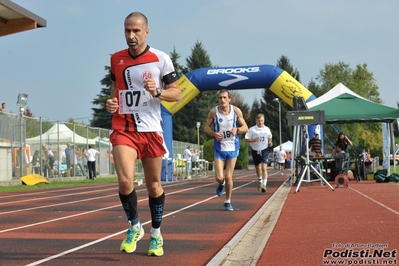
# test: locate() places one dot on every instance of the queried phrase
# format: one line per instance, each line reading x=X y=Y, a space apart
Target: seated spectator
x=366 y=156
x=339 y=158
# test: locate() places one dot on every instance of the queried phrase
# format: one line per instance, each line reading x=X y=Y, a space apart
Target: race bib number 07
x=134 y=101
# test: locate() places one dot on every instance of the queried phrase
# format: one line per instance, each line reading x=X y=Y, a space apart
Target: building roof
x=15 y=18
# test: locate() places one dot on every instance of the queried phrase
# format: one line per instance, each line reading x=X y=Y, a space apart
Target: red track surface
x=85 y=225
x=317 y=219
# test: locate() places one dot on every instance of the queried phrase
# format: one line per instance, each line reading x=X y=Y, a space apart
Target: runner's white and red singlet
x=138 y=109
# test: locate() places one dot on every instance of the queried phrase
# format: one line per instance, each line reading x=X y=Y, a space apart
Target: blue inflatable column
x=168 y=138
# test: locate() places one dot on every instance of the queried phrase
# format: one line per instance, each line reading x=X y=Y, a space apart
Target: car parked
x=271 y=160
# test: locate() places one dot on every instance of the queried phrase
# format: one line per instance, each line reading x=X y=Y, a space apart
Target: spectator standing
x=339 y=156
x=76 y=158
x=196 y=159
x=80 y=161
x=288 y=160
x=281 y=156
x=345 y=141
x=111 y=161
x=187 y=157
x=50 y=159
x=36 y=162
x=228 y=122
x=68 y=159
x=73 y=158
x=45 y=164
x=91 y=161
x=3 y=107
x=259 y=138
x=147 y=75
x=315 y=143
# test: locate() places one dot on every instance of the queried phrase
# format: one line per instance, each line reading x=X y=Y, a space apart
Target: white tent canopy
x=61 y=133
x=287 y=146
x=338 y=90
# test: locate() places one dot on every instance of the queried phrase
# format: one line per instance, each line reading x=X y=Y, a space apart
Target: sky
x=61 y=65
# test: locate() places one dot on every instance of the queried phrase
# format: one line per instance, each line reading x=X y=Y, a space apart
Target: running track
x=85 y=225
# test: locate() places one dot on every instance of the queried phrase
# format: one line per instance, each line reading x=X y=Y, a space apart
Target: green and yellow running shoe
x=156 y=243
x=133 y=235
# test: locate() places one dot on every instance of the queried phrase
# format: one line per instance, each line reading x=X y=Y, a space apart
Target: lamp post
x=279 y=116
x=198 y=136
x=21 y=102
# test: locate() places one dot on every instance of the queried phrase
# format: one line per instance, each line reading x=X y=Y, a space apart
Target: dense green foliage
x=101 y=118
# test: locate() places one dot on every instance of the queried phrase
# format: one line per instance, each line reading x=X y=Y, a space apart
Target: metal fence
x=21 y=137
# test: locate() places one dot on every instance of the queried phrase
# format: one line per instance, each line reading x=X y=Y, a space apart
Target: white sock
x=227 y=201
x=136 y=226
x=264 y=182
x=155 y=231
x=260 y=179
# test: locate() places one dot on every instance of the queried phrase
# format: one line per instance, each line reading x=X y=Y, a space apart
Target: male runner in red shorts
x=141 y=77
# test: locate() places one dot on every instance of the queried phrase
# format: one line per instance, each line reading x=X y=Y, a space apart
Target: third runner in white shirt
x=259 y=138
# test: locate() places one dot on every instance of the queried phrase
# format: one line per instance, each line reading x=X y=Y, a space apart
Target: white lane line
x=59 y=196
x=375 y=201
x=114 y=187
x=64 y=203
x=88 y=212
x=57 y=204
x=123 y=231
x=57 y=219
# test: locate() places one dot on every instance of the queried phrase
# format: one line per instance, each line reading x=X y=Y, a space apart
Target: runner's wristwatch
x=159 y=92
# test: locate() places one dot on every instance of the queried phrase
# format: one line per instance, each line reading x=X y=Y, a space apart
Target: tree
x=184 y=121
x=270 y=108
x=362 y=82
x=28 y=112
x=174 y=56
x=396 y=127
x=32 y=126
x=238 y=100
x=101 y=117
x=359 y=80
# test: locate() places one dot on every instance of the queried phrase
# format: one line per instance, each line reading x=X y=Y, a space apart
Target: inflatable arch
x=232 y=78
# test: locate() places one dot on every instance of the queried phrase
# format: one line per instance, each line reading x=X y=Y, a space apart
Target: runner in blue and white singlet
x=228 y=122
x=223 y=124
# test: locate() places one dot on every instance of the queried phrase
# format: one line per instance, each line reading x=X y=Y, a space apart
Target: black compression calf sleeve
x=129 y=204
x=156 y=207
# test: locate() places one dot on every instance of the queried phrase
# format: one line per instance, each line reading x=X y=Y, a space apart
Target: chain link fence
x=22 y=138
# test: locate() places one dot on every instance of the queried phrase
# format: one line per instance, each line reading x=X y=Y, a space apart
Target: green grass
x=58 y=183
